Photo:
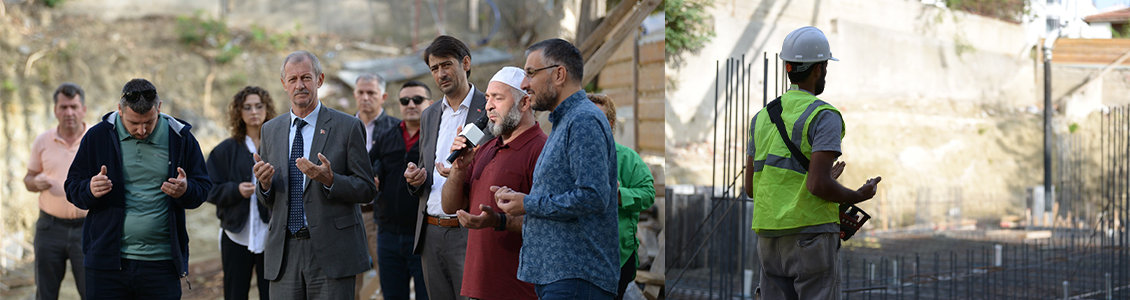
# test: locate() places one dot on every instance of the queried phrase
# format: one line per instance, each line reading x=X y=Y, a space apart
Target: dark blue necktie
x=294 y=220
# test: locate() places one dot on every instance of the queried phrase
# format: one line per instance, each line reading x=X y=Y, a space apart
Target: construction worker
x=796 y=215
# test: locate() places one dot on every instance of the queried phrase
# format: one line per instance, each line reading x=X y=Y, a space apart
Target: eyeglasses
x=250 y=108
x=414 y=99
x=531 y=73
x=136 y=95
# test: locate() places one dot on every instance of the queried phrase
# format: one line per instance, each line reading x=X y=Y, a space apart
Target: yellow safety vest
x=780 y=198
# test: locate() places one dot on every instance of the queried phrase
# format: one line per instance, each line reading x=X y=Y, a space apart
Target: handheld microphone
x=474 y=135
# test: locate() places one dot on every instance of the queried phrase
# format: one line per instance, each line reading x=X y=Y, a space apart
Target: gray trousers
x=301 y=277
x=57 y=240
x=800 y=266
x=444 y=251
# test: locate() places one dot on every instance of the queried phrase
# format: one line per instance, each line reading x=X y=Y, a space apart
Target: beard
x=508 y=123
x=820 y=85
x=544 y=101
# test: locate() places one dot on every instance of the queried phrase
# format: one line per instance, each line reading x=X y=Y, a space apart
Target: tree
x=685 y=26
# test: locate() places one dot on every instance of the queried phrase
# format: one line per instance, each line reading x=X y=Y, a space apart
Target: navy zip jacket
x=102 y=229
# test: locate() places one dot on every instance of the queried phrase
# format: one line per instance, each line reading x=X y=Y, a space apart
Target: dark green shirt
x=145 y=234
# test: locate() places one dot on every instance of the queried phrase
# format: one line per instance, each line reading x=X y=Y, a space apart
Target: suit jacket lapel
x=321 y=132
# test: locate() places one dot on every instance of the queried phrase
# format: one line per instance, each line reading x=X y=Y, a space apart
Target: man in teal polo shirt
x=136 y=172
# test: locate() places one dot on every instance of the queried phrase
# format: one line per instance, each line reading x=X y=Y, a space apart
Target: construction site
x=200 y=53
x=1005 y=176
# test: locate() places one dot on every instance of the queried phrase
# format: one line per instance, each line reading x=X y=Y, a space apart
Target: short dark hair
x=412 y=83
x=447 y=46
x=139 y=105
x=797 y=77
x=69 y=89
x=561 y=52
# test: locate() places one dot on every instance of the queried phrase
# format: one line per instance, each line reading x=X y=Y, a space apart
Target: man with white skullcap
x=491 y=266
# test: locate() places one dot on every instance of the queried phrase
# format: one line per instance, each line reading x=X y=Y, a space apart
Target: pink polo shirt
x=52 y=156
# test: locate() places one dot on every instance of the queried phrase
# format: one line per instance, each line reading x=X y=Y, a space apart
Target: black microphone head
x=482 y=121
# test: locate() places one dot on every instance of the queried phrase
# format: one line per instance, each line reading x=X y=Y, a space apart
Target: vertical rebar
x=997 y=259
x=1109 y=290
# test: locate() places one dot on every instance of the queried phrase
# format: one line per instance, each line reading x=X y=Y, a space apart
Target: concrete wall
x=889 y=49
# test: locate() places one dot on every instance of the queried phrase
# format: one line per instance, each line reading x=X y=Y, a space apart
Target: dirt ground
x=100 y=56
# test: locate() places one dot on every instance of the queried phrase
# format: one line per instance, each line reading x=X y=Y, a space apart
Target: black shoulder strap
x=775 y=116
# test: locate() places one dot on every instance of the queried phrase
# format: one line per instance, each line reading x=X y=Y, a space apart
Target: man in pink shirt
x=58 y=233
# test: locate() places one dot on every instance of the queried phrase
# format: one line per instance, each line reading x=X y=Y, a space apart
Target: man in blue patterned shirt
x=570 y=248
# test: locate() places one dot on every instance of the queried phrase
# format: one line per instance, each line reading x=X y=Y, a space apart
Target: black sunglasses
x=135 y=95
x=416 y=99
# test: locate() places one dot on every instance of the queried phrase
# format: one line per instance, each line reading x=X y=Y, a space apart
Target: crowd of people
x=310 y=200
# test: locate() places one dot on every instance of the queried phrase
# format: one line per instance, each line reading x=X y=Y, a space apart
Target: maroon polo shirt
x=490 y=270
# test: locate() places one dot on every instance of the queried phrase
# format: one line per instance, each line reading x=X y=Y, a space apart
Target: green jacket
x=637 y=193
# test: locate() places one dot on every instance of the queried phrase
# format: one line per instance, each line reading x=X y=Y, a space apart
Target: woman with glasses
x=242 y=218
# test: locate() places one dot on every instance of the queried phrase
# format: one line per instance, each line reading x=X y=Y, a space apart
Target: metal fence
x=1082 y=253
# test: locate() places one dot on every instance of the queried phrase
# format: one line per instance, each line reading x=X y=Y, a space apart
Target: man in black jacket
x=136 y=172
x=396 y=206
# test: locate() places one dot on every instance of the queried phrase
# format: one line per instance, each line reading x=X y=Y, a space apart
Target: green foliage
x=53 y=3
x=685 y=26
x=201 y=30
x=1006 y=10
x=1123 y=34
x=8 y=86
x=1073 y=127
x=228 y=53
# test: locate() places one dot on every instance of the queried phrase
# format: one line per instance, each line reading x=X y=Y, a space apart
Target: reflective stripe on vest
x=781 y=198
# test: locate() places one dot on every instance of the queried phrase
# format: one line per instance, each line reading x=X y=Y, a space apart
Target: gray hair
x=381 y=84
x=517 y=94
x=298 y=56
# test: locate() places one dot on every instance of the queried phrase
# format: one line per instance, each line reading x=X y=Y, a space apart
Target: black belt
x=302 y=234
x=61 y=221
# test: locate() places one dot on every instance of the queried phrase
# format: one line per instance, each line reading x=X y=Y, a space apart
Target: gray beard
x=508 y=123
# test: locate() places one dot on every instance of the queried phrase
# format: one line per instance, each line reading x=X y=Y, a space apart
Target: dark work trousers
x=398 y=265
x=138 y=279
x=445 y=249
x=57 y=240
x=571 y=289
x=627 y=274
x=238 y=263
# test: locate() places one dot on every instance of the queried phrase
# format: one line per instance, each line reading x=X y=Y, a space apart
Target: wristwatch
x=501 y=222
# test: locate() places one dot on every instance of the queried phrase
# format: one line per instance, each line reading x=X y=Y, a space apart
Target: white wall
x=888 y=49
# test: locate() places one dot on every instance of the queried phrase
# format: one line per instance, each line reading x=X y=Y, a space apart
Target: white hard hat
x=806 y=44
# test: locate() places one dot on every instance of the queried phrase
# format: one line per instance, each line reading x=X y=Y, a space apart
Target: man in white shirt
x=440 y=240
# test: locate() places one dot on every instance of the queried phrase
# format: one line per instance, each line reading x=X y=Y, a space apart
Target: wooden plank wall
x=616 y=81
x=1089 y=51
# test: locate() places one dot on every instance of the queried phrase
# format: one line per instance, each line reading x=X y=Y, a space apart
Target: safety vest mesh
x=780 y=198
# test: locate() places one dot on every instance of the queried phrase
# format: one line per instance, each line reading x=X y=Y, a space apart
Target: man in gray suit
x=316 y=240
x=440 y=240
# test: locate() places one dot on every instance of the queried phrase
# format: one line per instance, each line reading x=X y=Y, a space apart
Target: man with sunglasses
x=396 y=207
x=439 y=238
x=136 y=172
x=369 y=93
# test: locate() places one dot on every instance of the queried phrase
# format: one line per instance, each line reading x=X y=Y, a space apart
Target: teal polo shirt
x=145 y=234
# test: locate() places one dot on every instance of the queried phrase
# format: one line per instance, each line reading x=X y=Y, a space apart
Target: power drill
x=851 y=220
